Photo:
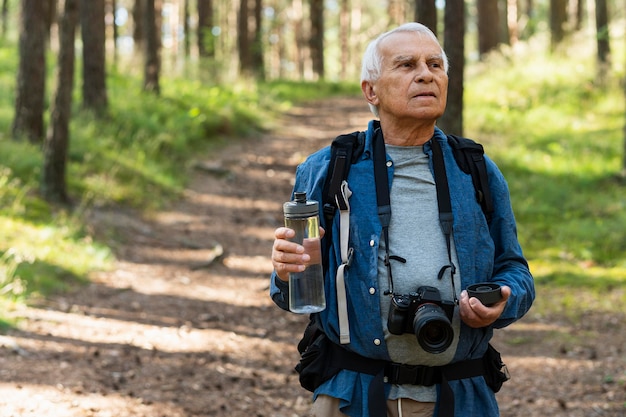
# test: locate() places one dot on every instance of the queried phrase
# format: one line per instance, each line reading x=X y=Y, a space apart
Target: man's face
x=413 y=84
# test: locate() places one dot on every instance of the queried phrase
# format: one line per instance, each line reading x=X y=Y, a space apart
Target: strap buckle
x=412 y=374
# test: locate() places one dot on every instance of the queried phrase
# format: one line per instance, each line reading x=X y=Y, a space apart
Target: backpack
x=346 y=149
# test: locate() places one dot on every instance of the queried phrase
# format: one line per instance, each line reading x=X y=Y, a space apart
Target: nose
x=423 y=73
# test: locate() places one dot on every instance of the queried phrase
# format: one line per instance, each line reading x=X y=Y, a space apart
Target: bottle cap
x=300 y=206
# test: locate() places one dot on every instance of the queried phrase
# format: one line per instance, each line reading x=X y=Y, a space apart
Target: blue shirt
x=485 y=253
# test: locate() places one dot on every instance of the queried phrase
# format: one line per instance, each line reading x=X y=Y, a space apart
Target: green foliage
x=556 y=133
x=297 y=91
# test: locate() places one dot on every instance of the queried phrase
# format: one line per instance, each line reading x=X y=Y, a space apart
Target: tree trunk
x=186 y=31
x=511 y=22
x=31 y=75
x=454 y=33
x=152 y=66
x=116 y=33
x=53 y=183
x=344 y=37
x=602 y=39
x=206 y=44
x=426 y=14
x=317 y=37
x=93 y=33
x=5 y=17
x=243 y=38
x=488 y=26
x=139 y=30
x=558 y=19
x=258 y=63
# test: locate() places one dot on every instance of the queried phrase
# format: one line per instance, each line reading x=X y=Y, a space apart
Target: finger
x=284 y=233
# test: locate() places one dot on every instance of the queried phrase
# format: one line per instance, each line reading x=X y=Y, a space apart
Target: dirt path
x=172 y=331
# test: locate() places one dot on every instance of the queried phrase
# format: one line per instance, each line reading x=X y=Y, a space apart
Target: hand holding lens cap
x=487 y=292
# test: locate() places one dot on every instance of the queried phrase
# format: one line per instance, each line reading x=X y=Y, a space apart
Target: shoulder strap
x=469 y=156
x=344 y=151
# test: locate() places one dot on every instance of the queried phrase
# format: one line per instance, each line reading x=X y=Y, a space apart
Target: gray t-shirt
x=415 y=235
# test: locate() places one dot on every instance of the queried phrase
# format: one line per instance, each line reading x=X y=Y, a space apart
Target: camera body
x=424 y=314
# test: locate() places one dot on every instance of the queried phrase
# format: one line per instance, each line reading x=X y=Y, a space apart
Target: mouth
x=426 y=94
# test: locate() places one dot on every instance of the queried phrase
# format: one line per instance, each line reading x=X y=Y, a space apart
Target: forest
x=147 y=146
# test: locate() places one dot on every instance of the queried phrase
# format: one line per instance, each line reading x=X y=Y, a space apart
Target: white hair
x=373 y=60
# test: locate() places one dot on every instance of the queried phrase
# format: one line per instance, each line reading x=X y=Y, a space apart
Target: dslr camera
x=424 y=314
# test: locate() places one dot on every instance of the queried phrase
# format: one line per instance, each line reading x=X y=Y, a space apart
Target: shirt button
x=389 y=164
x=377 y=342
x=372 y=290
x=372 y=243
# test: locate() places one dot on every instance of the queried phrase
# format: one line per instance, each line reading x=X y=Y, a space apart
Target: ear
x=369 y=91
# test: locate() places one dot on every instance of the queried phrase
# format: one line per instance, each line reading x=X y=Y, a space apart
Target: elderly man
x=414 y=258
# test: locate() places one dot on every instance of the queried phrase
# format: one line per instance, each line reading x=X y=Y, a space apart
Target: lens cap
x=487 y=292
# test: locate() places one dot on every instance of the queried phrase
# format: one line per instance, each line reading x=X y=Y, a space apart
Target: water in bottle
x=306 y=288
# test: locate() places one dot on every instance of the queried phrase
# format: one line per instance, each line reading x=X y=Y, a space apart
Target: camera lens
x=432 y=328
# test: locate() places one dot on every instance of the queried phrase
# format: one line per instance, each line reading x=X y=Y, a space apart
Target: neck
x=413 y=134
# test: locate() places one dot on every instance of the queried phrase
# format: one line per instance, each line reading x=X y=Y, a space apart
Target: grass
x=555 y=133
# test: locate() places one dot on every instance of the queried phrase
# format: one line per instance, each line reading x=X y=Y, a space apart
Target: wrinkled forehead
x=409 y=39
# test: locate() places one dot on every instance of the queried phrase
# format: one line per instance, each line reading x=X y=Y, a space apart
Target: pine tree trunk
x=152 y=66
x=426 y=14
x=53 y=183
x=206 y=47
x=488 y=25
x=31 y=77
x=317 y=37
x=94 y=56
x=454 y=33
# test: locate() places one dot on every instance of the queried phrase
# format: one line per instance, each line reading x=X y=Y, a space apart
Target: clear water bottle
x=306 y=288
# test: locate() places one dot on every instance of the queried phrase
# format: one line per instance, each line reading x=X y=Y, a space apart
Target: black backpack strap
x=469 y=156
x=344 y=151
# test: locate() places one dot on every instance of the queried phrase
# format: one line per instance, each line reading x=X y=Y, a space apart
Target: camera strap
x=446 y=218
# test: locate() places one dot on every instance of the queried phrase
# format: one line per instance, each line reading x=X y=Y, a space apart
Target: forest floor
x=183 y=325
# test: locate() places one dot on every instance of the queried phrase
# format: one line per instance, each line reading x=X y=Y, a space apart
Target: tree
x=344 y=37
x=5 y=17
x=317 y=37
x=258 y=60
x=426 y=14
x=53 y=183
x=488 y=26
x=558 y=19
x=454 y=33
x=152 y=65
x=243 y=38
x=602 y=39
x=94 y=68
x=31 y=74
x=186 y=28
x=206 y=47
x=139 y=23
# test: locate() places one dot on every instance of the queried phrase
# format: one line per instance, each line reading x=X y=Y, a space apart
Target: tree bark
x=488 y=25
x=5 y=17
x=344 y=37
x=602 y=39
x=31 y=77
x=454 y=33
x=558 y=19
x=93 y=33
x=426 y=14
x=206 y=44
x=139 y=30
x=53 y=183
x=243 y=38
x=152 y=66
x=316 y=43
x=186 y=30
x=258 y=61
